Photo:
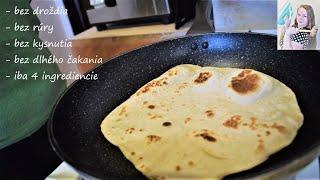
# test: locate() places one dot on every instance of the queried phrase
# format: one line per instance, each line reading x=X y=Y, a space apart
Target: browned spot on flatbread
x=129 y=130
x=260 y=147
x=173 y=72
x=145 y=102
x=150 y=85
x=140 y=158
x=156 y=116
x=178 y=168
x=182 y=86
x=245 y=82
x=133 y=153
x=123 y=111
x=268 y=133
x=153 y=138
x=280 y=128
x=187 y=120
x=204 y=76
x=166 y=124
x=253 y=123
x=207 y=136
x=209 y=113
x=233 y=122
x=190 y=163
x=151 y=106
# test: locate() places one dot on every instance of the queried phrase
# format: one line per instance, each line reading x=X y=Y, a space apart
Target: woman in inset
x=302 y=34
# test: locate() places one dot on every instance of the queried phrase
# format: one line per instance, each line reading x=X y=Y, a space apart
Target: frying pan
x=74 y=129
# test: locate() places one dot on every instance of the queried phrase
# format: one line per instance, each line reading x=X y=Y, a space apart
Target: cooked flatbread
x=204 y=122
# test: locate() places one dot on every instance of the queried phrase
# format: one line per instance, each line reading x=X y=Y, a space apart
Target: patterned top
x=302 y=38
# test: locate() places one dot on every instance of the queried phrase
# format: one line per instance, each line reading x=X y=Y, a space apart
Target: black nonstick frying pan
x=74 y=129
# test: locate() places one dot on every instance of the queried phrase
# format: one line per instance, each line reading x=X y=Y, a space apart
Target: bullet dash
x=8 y=44
x=7 y=76
x=8 y=11
x=8 y=60
x=7 y=27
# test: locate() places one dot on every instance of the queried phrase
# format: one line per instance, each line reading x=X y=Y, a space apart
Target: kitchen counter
x=113 y=42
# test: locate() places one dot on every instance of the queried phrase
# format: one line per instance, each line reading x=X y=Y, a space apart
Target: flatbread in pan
x=204 y=122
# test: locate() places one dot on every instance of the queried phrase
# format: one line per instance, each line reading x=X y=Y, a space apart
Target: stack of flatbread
x=204 y=122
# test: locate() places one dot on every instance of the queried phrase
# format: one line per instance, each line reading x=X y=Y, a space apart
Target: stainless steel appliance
x=109 y=12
